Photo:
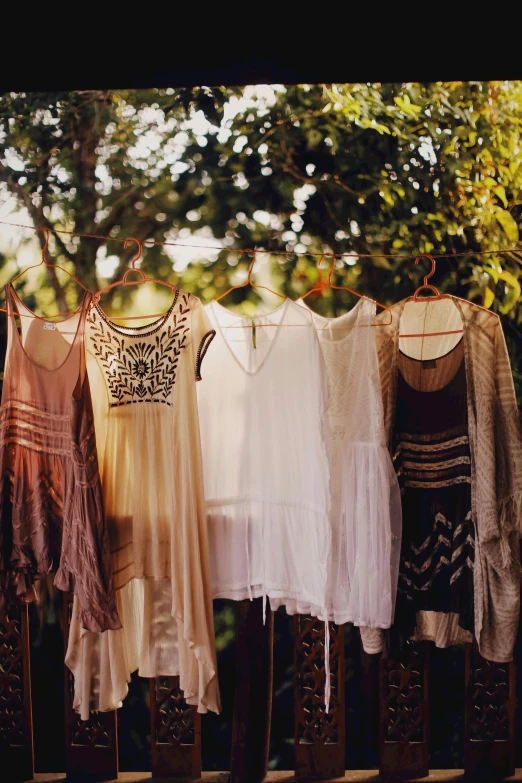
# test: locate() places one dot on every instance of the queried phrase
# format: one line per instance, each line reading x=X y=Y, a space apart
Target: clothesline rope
x=153 y=242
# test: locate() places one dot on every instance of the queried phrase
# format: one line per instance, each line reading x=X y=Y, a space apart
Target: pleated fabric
x=51 y=511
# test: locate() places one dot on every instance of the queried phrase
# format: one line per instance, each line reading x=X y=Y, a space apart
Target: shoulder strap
x=80 y=334
x=11 y=311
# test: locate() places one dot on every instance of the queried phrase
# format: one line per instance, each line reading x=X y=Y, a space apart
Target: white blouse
x=262 y=414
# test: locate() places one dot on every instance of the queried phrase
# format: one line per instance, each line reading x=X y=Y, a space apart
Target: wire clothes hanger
x=320 y=286
x=251 y=283
x=125 y=281
x=437 y=296
x=46 y=263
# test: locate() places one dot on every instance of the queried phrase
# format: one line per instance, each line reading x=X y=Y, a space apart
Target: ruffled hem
x=21 y=561
x=16 y=589
x=340 y=618
x=99 y=621
x=96 y=618
x=293 y=603
x=102 y=664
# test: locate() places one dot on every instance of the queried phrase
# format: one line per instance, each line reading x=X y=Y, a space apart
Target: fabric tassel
x=510 y=513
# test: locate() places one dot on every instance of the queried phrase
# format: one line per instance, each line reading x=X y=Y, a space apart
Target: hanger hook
x=140 y=250
x=334 y=261
x=46 y=244
x=249 y=278
x=433 y=266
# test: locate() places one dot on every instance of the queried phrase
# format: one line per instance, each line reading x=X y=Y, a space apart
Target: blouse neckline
x=153 y=327
x=337 y=320
x=18 y=337
x=446 y=386
x=282 y=307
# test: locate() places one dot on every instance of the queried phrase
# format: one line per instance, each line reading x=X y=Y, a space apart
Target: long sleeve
x=497 y=487
x=508 y=443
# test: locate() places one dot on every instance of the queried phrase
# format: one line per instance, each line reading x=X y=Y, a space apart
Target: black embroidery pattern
x=137 y=370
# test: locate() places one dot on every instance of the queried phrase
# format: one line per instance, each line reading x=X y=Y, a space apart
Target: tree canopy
x=368 y=169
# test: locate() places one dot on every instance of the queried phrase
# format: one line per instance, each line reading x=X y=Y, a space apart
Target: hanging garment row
x=149 y=493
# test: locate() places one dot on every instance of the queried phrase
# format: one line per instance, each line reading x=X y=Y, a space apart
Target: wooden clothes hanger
x=53 y=266
x=251 y=283
x=320 y=286
x=437 y=296
x=125 y=281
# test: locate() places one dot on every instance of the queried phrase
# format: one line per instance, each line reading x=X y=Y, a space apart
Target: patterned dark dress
x=432 y=460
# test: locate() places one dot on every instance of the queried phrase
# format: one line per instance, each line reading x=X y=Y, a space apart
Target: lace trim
x=202 y=350
x=36 y=411
x=443 y=446
x=427 y=467
x=438 y=484
x=35 y=447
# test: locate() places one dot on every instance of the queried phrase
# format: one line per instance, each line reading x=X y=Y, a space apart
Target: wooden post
x=91 y=749
x=404 y=714
x=253 y=693
x=490 y=717
x=319 y=737
x=369 y=704
x=16 y=722
x=175 y=732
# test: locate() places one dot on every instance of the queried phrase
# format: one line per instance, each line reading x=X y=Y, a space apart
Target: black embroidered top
x=432 y=459
x=140 y=363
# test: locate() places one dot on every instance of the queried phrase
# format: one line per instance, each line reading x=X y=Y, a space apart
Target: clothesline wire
x=153 y=242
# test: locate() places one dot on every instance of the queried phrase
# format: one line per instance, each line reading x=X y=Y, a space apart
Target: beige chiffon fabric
x=144 y=386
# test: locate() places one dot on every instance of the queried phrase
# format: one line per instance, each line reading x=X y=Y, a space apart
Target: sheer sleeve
x=202 y=334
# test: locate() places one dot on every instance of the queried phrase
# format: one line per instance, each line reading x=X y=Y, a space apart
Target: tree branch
x=106 y=226
x=39 y=221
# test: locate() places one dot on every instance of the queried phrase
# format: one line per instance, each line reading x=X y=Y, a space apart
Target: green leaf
x=381 y=263
x=488 y=297
x=314 y=137
x=514 y=291
x=493 y=273
x=508 y=223
x=501 y=193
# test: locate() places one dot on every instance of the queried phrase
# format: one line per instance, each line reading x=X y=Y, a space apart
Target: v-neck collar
x=248 y=320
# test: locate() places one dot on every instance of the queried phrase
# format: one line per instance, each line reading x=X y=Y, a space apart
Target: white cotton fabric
x=263 y=418
x=366 y=506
